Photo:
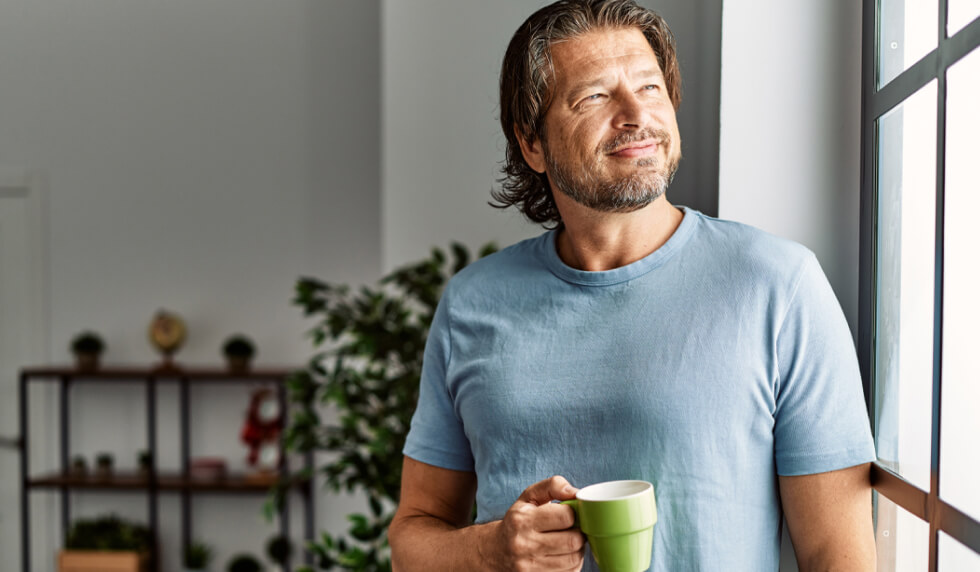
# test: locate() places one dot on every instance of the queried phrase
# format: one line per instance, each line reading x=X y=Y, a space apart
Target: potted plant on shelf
x=108 y=544
x=368 y=364
x=238 y=351
x=144 y=462
x=79 y=468
x=104 y=463
x=197 y=556
x=279 y=549
x=244 y=563
x=87 y=347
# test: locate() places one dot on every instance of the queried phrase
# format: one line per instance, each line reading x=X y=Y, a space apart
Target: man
x=635 y=340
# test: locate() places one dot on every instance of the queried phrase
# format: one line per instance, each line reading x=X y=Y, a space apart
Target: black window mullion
x=907 y=83
x=932 y=65
x=867 y=268
x=962 y=43
x=935 y=511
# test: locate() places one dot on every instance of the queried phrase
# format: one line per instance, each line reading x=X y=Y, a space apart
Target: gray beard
x=624 y=195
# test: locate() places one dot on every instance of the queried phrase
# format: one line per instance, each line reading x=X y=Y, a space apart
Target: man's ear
x=532 y=151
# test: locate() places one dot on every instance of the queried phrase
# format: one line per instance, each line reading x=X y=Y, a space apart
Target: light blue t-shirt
x=708 y=368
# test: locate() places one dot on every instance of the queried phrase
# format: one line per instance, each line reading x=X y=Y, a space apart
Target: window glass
x=955 y=557
x=907 y=33
x=904 y=294
x=959 y=13
x=960 y=458
x=902 y=539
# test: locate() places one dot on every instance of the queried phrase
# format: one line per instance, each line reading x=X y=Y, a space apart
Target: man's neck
x=597 y=241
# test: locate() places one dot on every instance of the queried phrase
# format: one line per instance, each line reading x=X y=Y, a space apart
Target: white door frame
x=31 y=186
x=32 y=327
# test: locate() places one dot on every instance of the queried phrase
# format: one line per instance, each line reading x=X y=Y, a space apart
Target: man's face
x=610 y=139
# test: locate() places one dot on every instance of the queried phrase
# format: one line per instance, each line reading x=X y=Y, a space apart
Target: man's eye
x=651 y=87
x=593 y=97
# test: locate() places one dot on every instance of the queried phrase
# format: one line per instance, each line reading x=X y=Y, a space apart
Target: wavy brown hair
x=525 y=95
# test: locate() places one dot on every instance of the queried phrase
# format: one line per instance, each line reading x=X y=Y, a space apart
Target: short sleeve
x=436 y=436
x=821 y=420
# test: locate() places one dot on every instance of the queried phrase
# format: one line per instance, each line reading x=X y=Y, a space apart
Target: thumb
x=543 y=492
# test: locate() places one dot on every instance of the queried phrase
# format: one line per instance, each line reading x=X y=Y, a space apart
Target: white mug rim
x=584 y=494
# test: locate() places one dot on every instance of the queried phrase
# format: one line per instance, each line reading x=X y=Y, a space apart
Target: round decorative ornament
x=167 y=333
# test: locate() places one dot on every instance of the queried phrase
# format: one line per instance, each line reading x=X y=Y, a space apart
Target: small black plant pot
x=85 y=361
x=79 y=468
x=104 y=466
x=239 y=364
x=238 y=351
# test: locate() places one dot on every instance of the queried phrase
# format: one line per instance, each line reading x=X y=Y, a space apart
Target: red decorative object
x=263 y=423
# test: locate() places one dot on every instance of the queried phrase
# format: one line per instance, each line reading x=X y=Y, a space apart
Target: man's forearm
x=425 y=543
x=829 y=519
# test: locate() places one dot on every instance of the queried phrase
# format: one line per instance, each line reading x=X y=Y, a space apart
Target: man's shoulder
x=750 y=240
x=517 y=257
x=730 y=243
x=517 y=261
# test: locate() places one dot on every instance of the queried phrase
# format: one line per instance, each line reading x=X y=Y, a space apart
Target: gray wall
x=200 y=156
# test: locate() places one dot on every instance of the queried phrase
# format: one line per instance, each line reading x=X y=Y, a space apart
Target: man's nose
x=631 y=112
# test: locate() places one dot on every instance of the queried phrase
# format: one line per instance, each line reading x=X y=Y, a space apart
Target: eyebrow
x=586 y=85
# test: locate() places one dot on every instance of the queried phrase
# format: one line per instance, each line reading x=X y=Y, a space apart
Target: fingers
x=570 y=561
x=536 y=534
x=556 y=550
x=542 y=492
x=545 y=518
x=566 y=543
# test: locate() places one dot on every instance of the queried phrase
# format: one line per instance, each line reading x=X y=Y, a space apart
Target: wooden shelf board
x=196 y=373
x=235 y=482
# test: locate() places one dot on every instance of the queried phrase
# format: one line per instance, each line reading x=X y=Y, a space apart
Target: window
x=920 y=278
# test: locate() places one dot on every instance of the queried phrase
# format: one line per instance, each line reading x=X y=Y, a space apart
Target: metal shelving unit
x=152 y=482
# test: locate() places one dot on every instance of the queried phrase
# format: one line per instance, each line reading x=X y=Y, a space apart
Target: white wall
x=790 y=128
x=200 y=157
x=790 y=132
x=441 y=131
x=443 y=145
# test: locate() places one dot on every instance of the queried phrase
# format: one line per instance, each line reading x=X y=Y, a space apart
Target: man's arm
x=430 y=530
x=829 y=519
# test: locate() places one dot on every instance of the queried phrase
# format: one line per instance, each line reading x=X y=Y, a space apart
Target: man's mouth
x=637 y=149
x=630 y=145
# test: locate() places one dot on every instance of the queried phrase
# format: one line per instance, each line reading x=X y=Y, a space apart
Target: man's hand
x=432 y=531
x=537 y=534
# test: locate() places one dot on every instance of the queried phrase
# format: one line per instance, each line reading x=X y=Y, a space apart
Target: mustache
x=659 y=135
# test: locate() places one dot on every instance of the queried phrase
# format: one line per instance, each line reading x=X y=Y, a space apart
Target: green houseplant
x=108 y=532
x=79 y=467
x=106 y=543
x=87 y=347
x=279 y=548
x=244 y=563
x=238 y=351
x=367 y=366
x=197 y=556
x=104 y=463
x=144 y=462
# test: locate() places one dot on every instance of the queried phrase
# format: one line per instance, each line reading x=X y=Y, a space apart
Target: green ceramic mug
x=618 y=517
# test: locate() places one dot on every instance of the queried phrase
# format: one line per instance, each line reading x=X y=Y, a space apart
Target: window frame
x=876 y=102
